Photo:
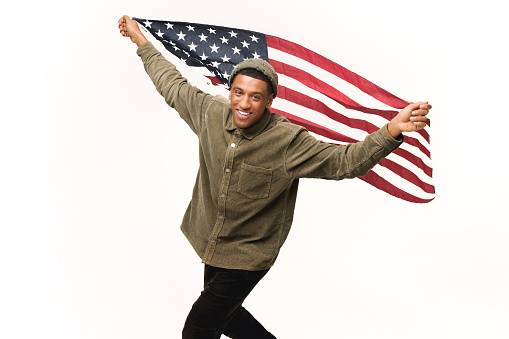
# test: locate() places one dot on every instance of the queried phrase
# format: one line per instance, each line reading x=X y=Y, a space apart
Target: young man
x=250 y=164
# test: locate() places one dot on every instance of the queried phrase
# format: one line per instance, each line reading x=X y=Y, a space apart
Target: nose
x=244 y=102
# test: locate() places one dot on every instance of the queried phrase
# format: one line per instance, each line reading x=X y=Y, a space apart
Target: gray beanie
x=260 y=65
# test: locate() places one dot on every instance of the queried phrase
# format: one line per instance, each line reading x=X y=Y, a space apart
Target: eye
x=256 y=97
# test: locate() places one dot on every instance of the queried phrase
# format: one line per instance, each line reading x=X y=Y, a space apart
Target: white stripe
x=334 y=105
x=316 y=117
x=401 y=183
x=341 y=85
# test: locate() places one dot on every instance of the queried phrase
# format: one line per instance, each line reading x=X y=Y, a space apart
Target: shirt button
x=221 y=216
x=227 y=170
x=222 y=195
x=212 y=240
x=233 y=145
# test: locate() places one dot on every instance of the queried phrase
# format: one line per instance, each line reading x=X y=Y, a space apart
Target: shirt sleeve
x=307 y=157
x=186 y=99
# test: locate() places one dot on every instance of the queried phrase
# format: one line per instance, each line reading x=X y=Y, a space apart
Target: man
x=245 y=192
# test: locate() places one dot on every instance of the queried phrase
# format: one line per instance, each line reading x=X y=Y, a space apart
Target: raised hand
x=412 y=118
x=129 y=28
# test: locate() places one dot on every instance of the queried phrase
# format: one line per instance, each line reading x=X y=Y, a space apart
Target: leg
x=244 y=326
x=223 y=294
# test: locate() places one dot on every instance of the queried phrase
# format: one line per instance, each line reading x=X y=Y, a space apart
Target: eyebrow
x=237 y=87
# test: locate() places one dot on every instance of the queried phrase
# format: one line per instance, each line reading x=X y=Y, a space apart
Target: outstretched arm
x=129 y=28
x=412 y=118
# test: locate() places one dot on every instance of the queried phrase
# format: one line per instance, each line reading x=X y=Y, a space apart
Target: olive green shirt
x=244 y=197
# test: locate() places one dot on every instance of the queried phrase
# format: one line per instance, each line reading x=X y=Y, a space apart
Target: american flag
x=336 y=104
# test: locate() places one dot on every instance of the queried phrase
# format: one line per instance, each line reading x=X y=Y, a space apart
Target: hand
x=412 y=118
x=129 y=28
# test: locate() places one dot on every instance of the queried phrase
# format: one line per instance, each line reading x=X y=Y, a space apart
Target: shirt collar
x=250 y=132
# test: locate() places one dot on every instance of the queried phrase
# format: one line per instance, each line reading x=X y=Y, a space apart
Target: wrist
x=393 y=130
x=138 y=38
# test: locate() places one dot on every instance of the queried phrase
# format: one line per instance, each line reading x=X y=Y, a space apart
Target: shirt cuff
x=388 y=141
x=144 y=48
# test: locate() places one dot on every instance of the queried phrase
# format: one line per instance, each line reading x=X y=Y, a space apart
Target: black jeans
x=219 y=309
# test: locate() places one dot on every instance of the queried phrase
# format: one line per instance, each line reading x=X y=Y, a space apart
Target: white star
x=236 y=50
x=214 y=48
x=148 y=23
x=245 y=44
x=192 y=46
x=171 y=43
x=215 y=64
x=203 y=56
x=185 y=52
x=181 y=36
x=225 y=58
x=233 y=34
x=224 y=40
x=183 y=60
x=159 y=33
x=212 y=31
x=190 y=28
x=169 y=26
x=253 y=38
x=203 y=37
x=176 y=48
x=256 y=56
x=225 y=75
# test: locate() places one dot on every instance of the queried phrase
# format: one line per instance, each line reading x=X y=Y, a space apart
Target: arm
x=412 y=118
x=187 y=100
x=307 y=157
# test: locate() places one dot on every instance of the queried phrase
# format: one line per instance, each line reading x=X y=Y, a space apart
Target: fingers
x=122 y=22
x=425 y=106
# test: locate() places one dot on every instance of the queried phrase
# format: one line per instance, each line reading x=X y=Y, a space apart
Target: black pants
x=219 y=309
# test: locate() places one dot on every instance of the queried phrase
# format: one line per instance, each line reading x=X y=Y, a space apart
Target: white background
x=96 y=172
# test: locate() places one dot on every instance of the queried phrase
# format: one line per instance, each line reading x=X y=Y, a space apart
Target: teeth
x=243 y=113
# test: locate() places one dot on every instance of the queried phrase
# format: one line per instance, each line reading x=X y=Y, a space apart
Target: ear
x=230 y=94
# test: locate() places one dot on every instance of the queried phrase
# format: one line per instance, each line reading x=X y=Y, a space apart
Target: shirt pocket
x=254 y=181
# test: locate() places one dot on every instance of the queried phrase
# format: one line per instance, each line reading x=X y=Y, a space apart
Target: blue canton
x=217 y=48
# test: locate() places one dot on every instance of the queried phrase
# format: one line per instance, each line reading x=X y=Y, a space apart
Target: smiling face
x=249 y=97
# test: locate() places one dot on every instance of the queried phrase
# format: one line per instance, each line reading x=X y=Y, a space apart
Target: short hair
x=256 y=74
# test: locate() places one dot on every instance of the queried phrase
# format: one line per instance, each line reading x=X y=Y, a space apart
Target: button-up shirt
x=243 y=201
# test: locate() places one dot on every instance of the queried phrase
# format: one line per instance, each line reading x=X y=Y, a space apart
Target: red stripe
x=214 y=80
x=387 y=163
x=375 y=180
x=414 y=160
x=316 y=59
x=316 y=105
x=322 y=87
x=407 y=174
x=313 y=127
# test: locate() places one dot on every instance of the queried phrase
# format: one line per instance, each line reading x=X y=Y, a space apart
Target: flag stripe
x=316 y=59
x=352 y=114
x=330 y=85
x=316 y=105
x=318 y=85
x=329 y=78
x=374 y=179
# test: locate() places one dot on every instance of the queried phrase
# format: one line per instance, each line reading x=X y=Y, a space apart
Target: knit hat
x=260 y=65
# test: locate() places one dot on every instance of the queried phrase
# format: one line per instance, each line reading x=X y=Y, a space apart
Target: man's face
x=249 y=97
